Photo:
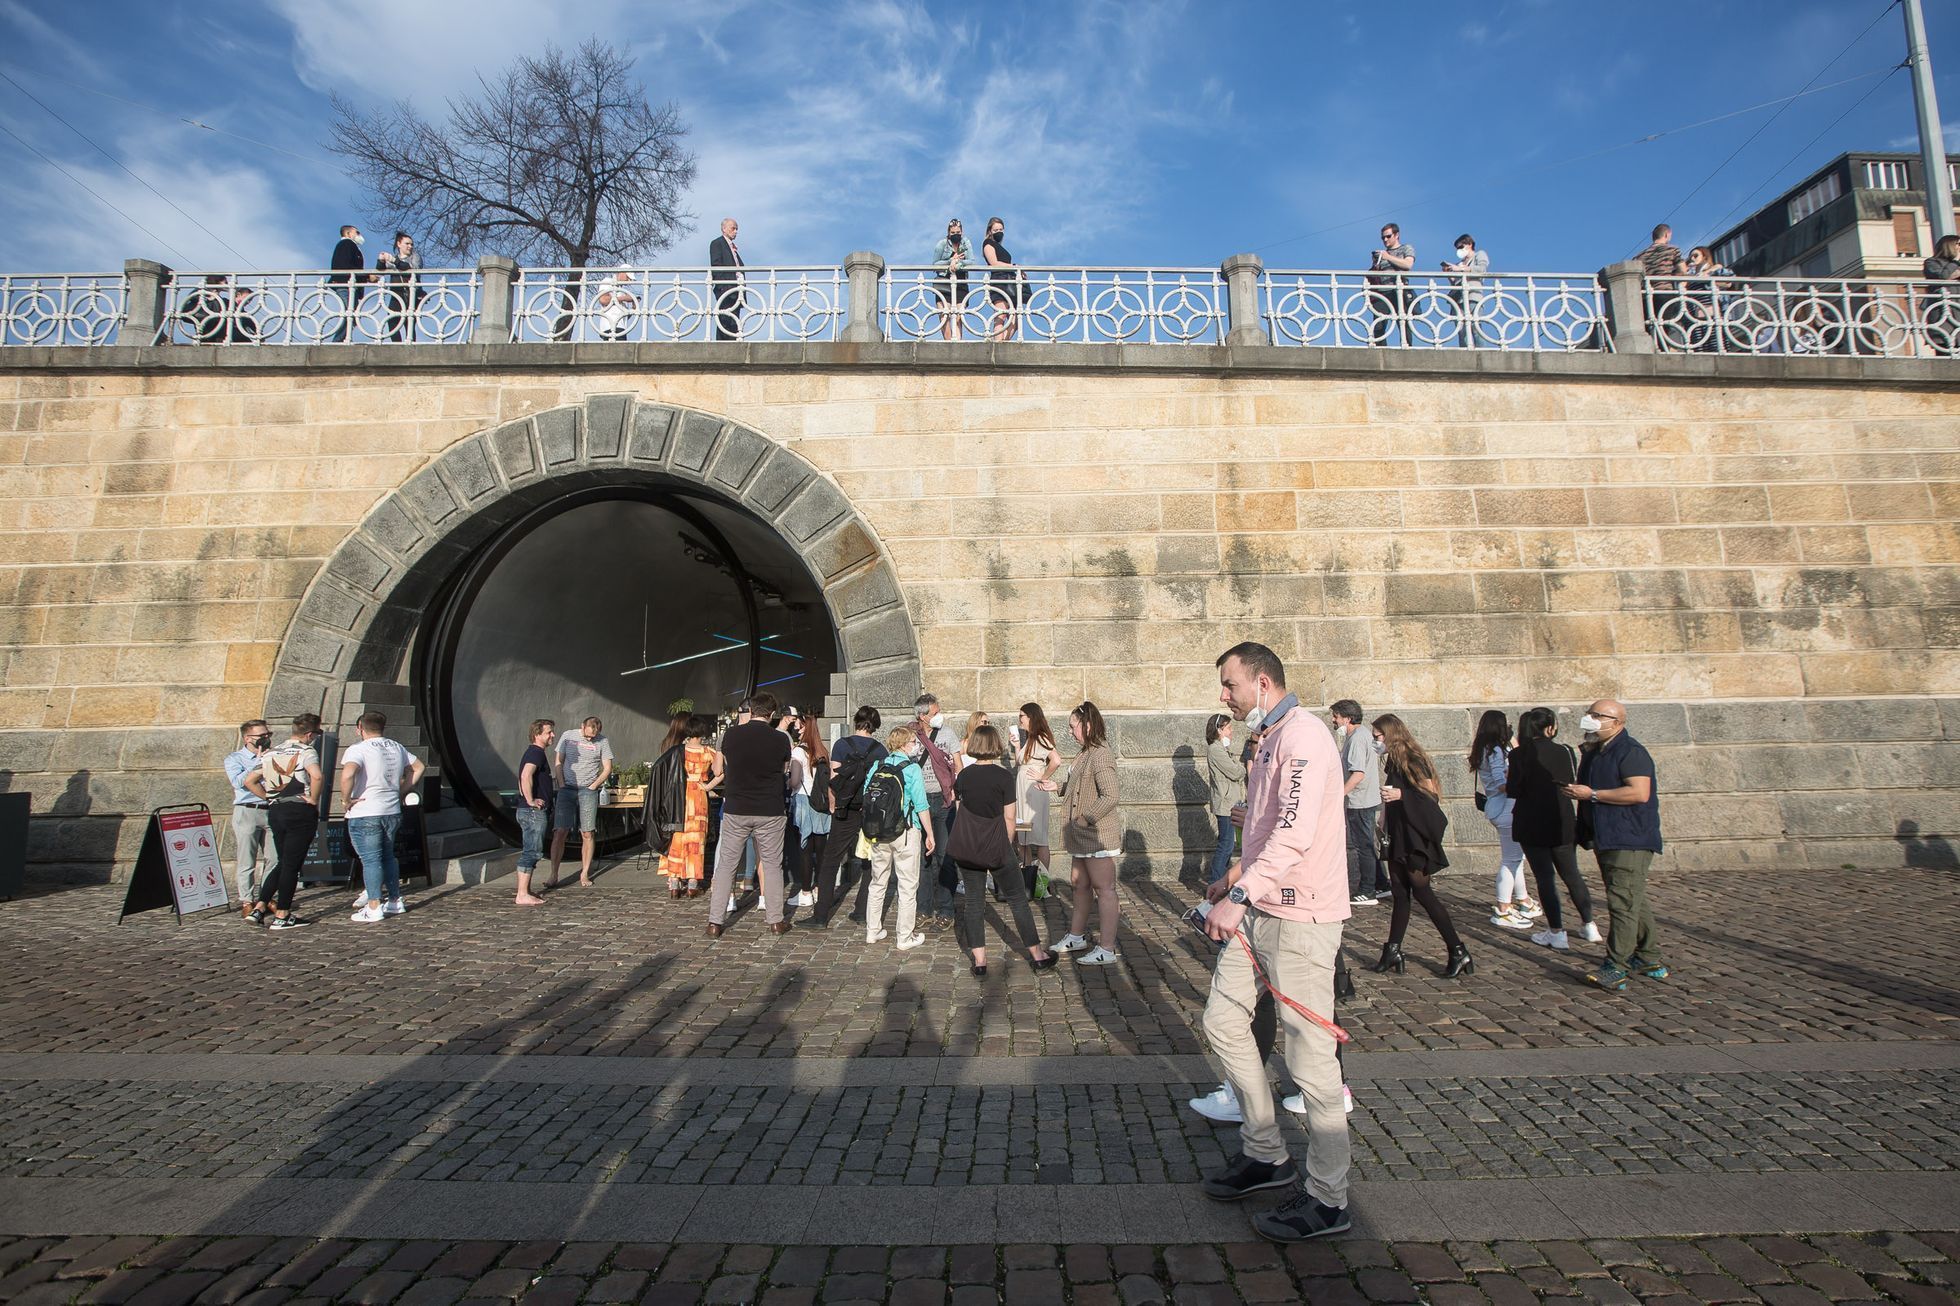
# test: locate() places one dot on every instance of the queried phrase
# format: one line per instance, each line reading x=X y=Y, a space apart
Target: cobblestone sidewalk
x=1919 y=1270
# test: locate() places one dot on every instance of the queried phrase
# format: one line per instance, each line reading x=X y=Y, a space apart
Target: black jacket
x=1543 y=816
x=666 y=810
x=346 y=257
x=722 y=255
x=1415 y=825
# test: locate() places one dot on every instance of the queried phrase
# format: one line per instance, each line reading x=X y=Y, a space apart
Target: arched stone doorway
x=389 y=594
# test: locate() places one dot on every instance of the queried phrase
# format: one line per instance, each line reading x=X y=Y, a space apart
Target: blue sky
x=1167 y=134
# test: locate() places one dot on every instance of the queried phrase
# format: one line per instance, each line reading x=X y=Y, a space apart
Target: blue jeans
x=533 y=823
x=373 y=838
x=1221 y=856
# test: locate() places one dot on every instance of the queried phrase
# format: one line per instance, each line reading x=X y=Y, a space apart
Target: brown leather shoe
x=780 y=927
x=714 y=931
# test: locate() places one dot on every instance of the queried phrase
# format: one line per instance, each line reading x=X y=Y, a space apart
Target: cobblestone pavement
x=1444 y=1128
x=1895 y=1267
x=623 y=970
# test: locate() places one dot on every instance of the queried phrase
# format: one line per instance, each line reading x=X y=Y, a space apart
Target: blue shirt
x=1615 y=825
x=237 y=767
x=915 y=786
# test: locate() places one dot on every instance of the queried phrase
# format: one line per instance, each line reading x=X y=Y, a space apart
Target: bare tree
x=561 y=159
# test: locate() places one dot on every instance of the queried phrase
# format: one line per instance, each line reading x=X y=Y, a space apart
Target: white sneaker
x=1511 y=919
x=1525 y=907
x=876 y=936
x=729 y=910
x=761 y=903
x=1069 y=943
x=1098 y=956
x=1220 y=1105
x=394 y=906
x=1362 y=900
x=1592 y=934
x=1297 y=1104
x=805 y=899
x=1552 y=939
x=906 y=945
x=369 y=914
x=1347 y=1099
x=360 y=900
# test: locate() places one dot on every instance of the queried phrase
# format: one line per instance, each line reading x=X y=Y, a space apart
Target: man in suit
x=722 y=254
x=346 y=261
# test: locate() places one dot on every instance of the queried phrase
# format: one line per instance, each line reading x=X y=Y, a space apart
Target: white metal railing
x=1771 y=315
x=670 y=304
x=432 y=306
x=1538 y=312
x=60 y=308
x=1057 y=305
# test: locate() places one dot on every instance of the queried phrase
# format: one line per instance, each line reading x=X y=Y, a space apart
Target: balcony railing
x=60 y=309
x=1055 y=305
x=1534 y=311
x=1238 y=304
x=640 y=305
x=1769 y=315
x=431 y=306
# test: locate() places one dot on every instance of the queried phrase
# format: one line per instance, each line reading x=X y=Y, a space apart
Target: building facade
x=1861 y=216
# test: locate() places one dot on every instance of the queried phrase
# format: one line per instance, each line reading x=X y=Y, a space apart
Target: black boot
x=1391 y=960
x=1460 y=963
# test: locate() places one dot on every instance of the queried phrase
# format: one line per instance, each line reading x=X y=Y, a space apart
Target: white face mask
x=1462 y=252
x=1381 y=749
x=1255 y=718
x=938 y=720
x=1589 y=723
x=359 y=239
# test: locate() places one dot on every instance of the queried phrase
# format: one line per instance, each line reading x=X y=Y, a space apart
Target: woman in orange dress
x=684 y=862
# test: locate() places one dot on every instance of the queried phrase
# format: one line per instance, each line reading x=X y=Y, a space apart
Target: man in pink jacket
x=1288 y=903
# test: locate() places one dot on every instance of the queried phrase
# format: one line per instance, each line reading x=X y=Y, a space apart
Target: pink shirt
x=1295 y=860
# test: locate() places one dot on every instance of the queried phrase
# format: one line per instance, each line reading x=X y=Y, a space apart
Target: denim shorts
x=532 y=822
x=576 y=808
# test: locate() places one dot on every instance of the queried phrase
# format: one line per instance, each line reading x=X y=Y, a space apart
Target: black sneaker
x=257 y=917
x=1243 y=1177
x=287 y=923
x=1305 y=1217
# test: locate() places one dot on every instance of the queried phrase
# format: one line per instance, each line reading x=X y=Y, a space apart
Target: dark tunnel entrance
x=614 y=602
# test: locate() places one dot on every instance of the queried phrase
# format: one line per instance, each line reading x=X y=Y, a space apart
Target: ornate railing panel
x=1536 y=311
x=1771 y=315
x=60 y=308
x=1150 y=306
x=433 y=306
x=667 y=304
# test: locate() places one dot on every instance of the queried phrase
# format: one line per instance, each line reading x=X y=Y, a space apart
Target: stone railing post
x=143 y=285
x=1241 y=273
x=494 y=274
x=1626 y=307
x=863 y=270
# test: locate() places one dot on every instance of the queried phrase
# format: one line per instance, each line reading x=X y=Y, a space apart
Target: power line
x=1699 y=186
x=1457 y=193
x=1722 y=222
x=28 y=145
x=190 y=122
x=125 y=167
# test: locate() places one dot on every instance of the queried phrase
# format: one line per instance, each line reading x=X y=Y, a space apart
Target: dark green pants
x=1631 y=933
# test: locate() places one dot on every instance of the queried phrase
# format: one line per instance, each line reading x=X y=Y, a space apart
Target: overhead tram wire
x=126 y=168
x=187 y=121
x=1506 y=178
x=1721 y=224
x=1751 y=139
x=29 y=145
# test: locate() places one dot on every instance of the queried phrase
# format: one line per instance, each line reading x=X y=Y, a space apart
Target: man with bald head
x=1622 y=797
x=726 y=261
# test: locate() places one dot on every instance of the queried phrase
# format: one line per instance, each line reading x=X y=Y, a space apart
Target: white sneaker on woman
x=1552 y=939
x=1511 y=919
x=1069 y=943
x=876 y=936
x=1098 y=956
x=915 y=941
x=1221 y=1106
x=1592 y=934
x=369 y=914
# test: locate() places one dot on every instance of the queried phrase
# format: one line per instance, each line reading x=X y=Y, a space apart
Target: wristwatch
x=1239 y=895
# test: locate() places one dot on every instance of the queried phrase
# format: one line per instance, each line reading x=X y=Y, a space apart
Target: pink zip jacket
x=1295 y=860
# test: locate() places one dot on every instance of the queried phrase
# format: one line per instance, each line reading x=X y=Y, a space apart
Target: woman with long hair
x=1412 y=816
x=1092 y=837
x=676 y=732
x=1038 y=761
x=1227 y=791
x=982 y=843
x=1489 y=761
x=1545 y=824
x=684 y=863
x=808 y=825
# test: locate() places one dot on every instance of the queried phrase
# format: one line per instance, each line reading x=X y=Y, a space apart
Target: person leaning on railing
x=1470 y=266
x=1942 y=314
x=952 y=255
x=403 y=293
x=1704 y=306
x=1390 y=301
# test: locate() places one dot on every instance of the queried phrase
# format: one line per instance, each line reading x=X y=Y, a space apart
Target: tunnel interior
x=614 y=603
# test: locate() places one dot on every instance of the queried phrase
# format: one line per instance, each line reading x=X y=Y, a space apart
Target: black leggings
x=1564 y=860
x=1014 y=886
x=293 y=826
x=837 y=861
x=806 y=868
x=1406 y=882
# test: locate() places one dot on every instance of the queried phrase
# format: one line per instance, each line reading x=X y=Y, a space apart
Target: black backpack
x=847 y=786
x=884 y=804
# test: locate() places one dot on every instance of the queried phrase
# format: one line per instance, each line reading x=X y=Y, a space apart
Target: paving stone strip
x=1917 y=1268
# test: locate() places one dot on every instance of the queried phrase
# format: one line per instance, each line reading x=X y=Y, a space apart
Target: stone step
x=462 y=843
x=378 y=693
x=476 y=868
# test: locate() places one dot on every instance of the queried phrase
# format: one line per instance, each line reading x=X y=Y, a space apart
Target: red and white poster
x=190 y=850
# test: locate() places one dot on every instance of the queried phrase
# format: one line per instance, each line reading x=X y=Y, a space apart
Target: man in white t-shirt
x=375 y=774
x=585 y=760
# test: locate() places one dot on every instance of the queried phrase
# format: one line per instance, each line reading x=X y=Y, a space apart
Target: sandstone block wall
x=1768 y=571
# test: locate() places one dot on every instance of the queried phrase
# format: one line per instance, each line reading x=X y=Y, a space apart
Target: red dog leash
x=1334 y=1031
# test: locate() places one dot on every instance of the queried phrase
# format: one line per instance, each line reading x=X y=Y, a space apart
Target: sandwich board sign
x=178 y=866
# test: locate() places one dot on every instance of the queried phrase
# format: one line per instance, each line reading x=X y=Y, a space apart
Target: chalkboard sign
x=331 y=859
